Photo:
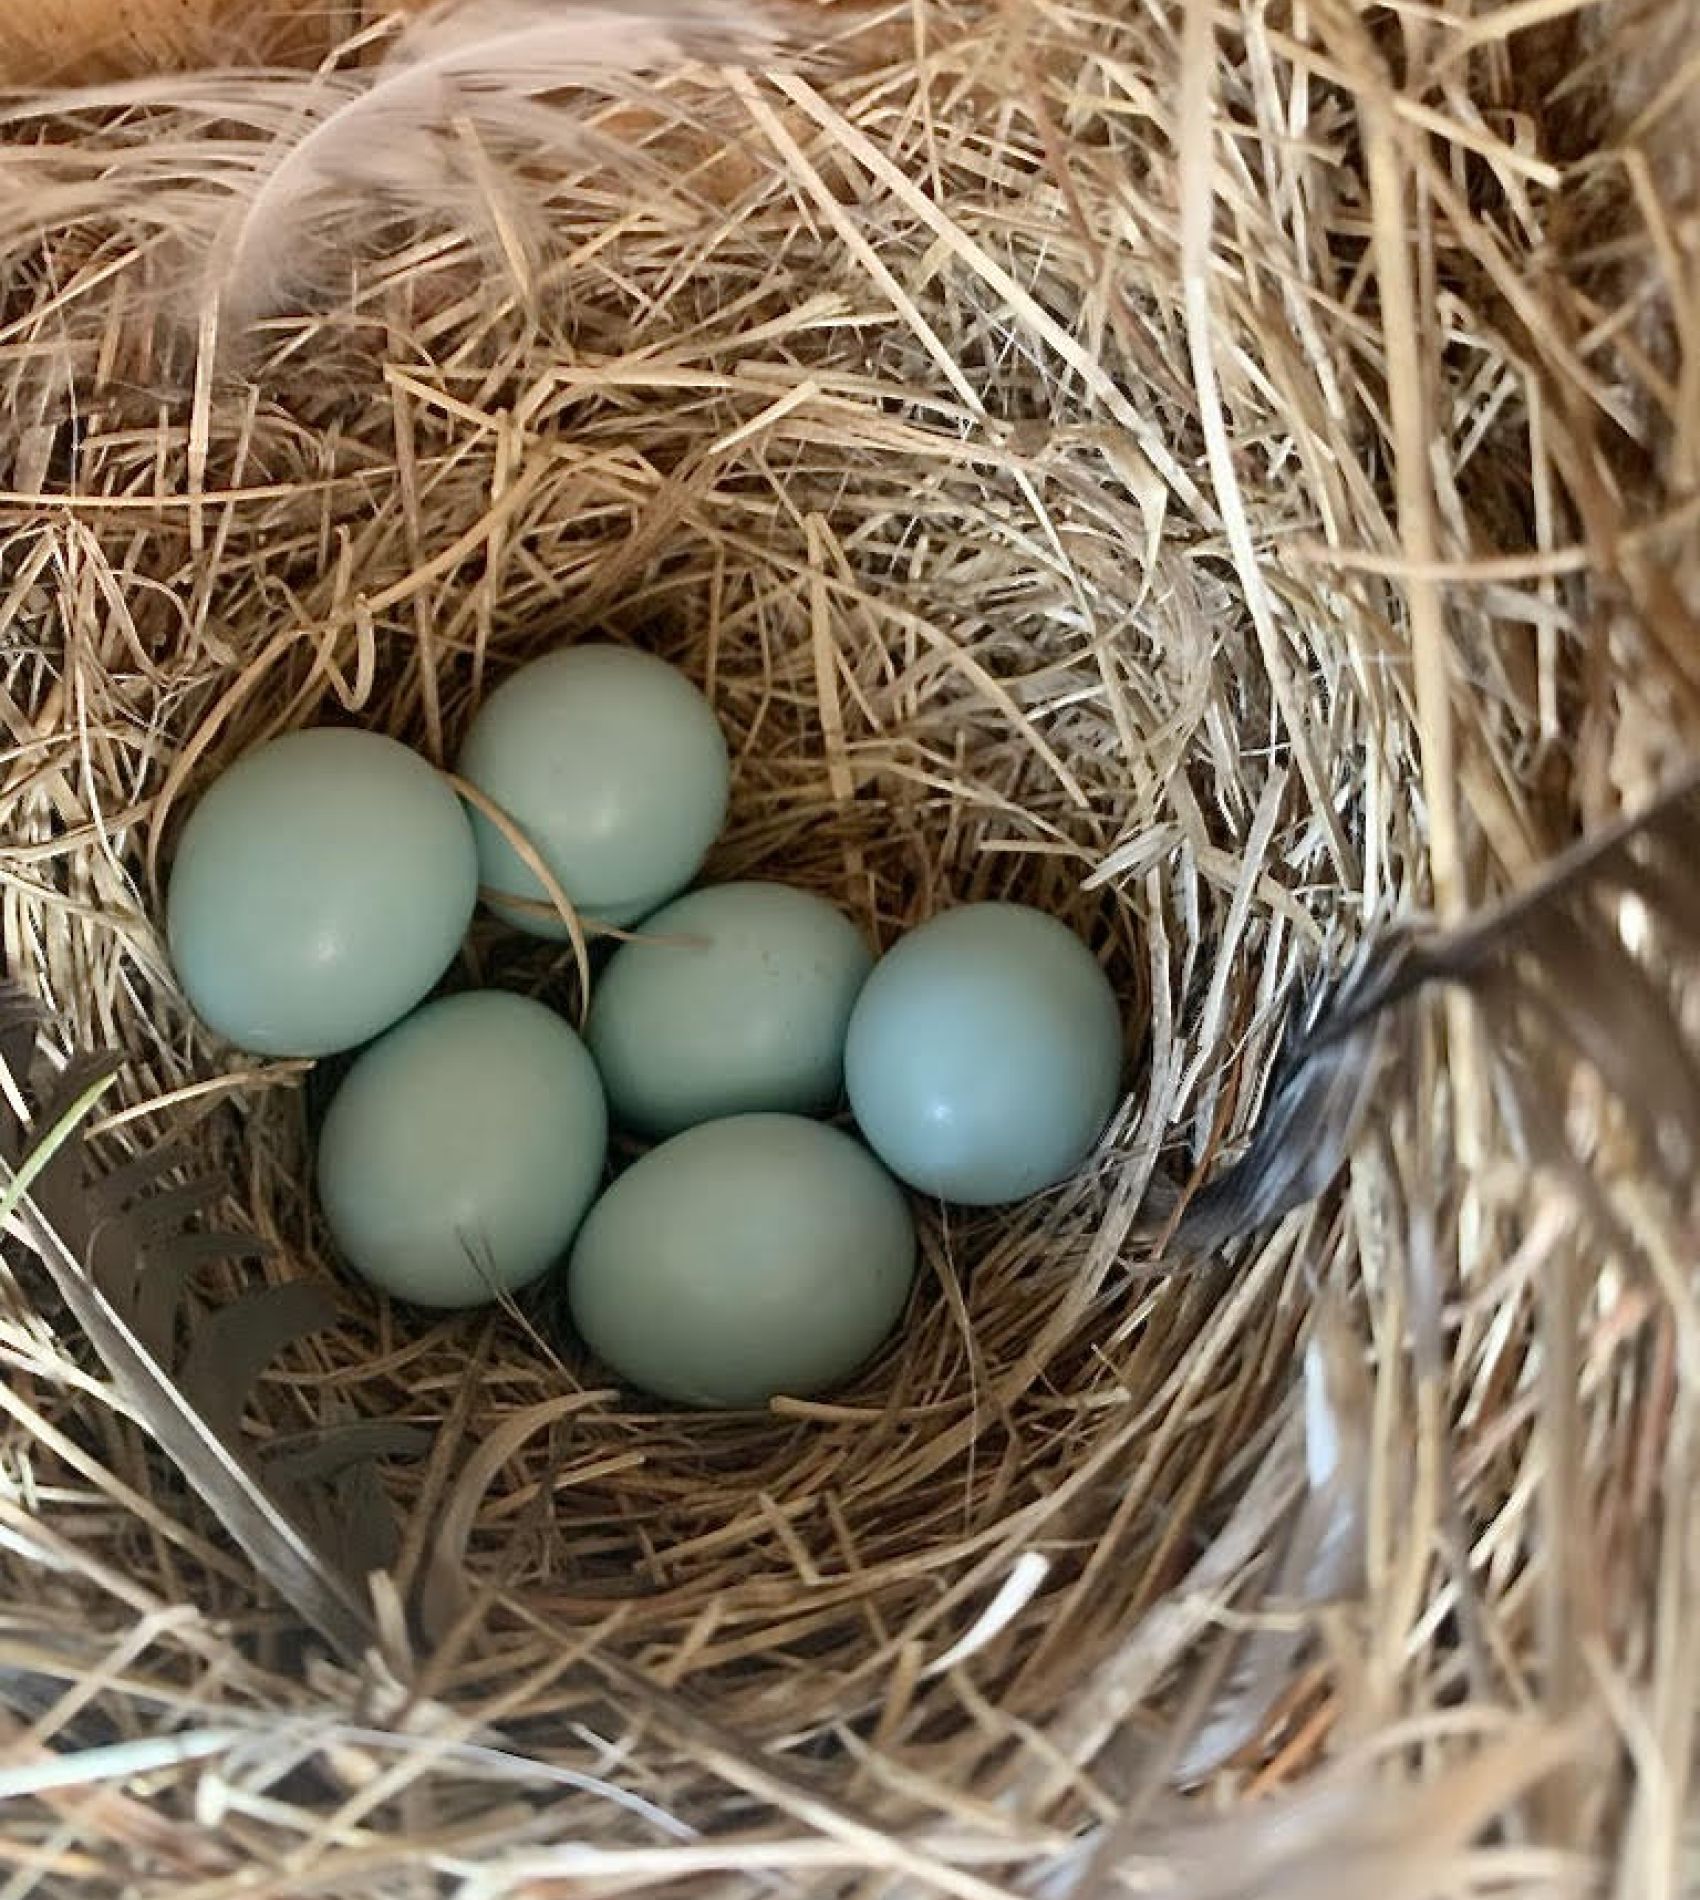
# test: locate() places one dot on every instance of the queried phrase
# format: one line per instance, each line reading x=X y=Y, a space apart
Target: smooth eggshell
x=734 y=1000
x=759 y=1255
x=461 y=1151
x=984 y=1054
x=613 y=766
x=321 y=887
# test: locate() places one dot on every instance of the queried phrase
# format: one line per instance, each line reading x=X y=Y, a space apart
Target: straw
x=1224 y=476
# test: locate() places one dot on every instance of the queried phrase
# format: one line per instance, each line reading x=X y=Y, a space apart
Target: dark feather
x=1561 y=981
x=156 y=1290
x=121 y=1249
x=306 y=1457
x=333 y=1476
x=296 y=1568
x=55 y=1095
x=1336 y=1053
x=204 y=1250
x=20 y=1024
x=234 y=1344
x=116 y=1187
x=1590 y=994
x=1668 y=889
x=1553 y=960
x=171 y=1209
x=356 y=1511
x=58 y=1188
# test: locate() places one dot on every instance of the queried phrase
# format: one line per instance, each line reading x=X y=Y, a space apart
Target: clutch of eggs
x=324 y=883
x=322 y=889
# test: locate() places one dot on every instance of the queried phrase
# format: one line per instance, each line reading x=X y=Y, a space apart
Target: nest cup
x=1123 y=463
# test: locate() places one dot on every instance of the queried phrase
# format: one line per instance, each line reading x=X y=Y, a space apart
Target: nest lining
x=1009 y=575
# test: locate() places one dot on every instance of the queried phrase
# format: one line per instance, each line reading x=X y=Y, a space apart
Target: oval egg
x=735 y=999
x=745 y=1258
x=984 y=1054
x=613 y=766
x=462 y=1150
x=320 y=888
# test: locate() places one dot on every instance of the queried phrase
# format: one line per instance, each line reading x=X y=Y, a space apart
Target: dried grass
x=1223 y=476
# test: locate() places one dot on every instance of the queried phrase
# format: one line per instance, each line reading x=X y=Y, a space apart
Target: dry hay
x=1225 y=538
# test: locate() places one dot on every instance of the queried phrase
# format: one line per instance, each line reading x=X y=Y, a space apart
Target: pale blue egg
x=320 y=888
x=613 y=766
x=462 y=1150
x=745 y=1258
x=984 y=1054
x=735 y=999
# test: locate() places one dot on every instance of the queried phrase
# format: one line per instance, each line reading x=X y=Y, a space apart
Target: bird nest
x=1224 y=476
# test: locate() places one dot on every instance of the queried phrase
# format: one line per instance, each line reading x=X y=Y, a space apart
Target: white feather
x=1324 y=1553
x=1323 y=1449
x=482 y=60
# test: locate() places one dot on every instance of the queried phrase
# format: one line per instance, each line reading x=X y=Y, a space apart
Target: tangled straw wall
x=1228 y=476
